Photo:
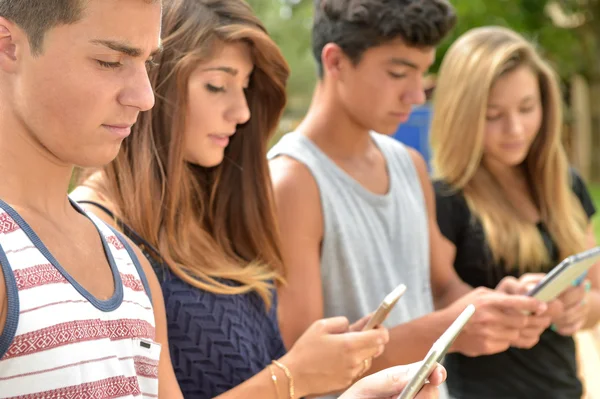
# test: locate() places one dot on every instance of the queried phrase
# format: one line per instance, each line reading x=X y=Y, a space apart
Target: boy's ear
x=333 y=60
x=10 y=36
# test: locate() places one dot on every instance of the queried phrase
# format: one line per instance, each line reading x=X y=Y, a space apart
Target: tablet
x=567 y=273
x=385 y=307
x=436 y=353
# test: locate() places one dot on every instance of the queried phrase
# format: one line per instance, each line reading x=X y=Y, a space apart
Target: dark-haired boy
x=356 y=208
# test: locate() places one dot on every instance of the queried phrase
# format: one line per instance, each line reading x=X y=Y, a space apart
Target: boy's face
x=77 y=100
x=380 y=91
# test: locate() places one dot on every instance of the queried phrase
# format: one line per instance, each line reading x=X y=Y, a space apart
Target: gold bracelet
x=288 y=375
x=274 y=379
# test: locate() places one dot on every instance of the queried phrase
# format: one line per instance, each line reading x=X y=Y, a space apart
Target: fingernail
x=588 y=286
x=584 y=301
x=440 y=374
x=553 y=327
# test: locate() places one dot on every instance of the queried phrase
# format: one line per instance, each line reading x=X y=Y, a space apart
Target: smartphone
x=436 y=353
x=385 y=307
x=571 y=271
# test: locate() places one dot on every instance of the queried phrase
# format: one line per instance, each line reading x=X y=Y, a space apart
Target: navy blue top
x=549 y=369
x=216 y=341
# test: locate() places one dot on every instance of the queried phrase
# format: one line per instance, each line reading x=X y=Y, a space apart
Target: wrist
x=452 y=291
x=277 y=377
x=294 y=379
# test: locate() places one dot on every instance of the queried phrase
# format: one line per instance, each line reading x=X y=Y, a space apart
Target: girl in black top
x=510 y=205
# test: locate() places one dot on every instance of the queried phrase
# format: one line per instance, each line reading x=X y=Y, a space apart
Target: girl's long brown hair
x=208 y=223
x=470 y=68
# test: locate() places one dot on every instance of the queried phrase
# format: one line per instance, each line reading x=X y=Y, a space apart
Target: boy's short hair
x=357 y=25
x=36 y=17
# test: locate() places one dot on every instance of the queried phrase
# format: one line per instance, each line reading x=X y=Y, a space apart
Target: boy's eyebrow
x=124 y=48
x=403 y=62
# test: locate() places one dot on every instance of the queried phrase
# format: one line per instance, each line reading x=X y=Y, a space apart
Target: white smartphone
x=385 y=307
x=436 y=353
x=567 y=273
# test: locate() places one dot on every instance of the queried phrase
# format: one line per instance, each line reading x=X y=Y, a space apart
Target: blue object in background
x=415 y=131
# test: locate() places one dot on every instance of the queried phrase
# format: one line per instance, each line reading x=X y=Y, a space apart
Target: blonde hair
x=470 y=68
x=210 y=225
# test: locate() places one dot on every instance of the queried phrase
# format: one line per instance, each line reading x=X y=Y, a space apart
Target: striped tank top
x=59 y=341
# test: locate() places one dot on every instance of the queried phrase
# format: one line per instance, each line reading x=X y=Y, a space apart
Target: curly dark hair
x=357 y=25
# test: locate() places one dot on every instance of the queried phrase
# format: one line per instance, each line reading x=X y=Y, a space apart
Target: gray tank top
x=371 y=242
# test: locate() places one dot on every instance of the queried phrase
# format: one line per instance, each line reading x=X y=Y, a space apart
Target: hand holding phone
x=570 y=271
x=385 y=307
x=436 y=353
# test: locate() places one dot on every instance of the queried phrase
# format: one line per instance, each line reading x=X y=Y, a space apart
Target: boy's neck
x=31 y=176
x=332 y=129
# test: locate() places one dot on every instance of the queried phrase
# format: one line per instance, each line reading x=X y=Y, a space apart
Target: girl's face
x=513 y=117
x=217 y=103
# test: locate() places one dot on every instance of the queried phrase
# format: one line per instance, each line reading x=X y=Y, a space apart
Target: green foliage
x=288 y=22
x=595 y=191
x=560 y=46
